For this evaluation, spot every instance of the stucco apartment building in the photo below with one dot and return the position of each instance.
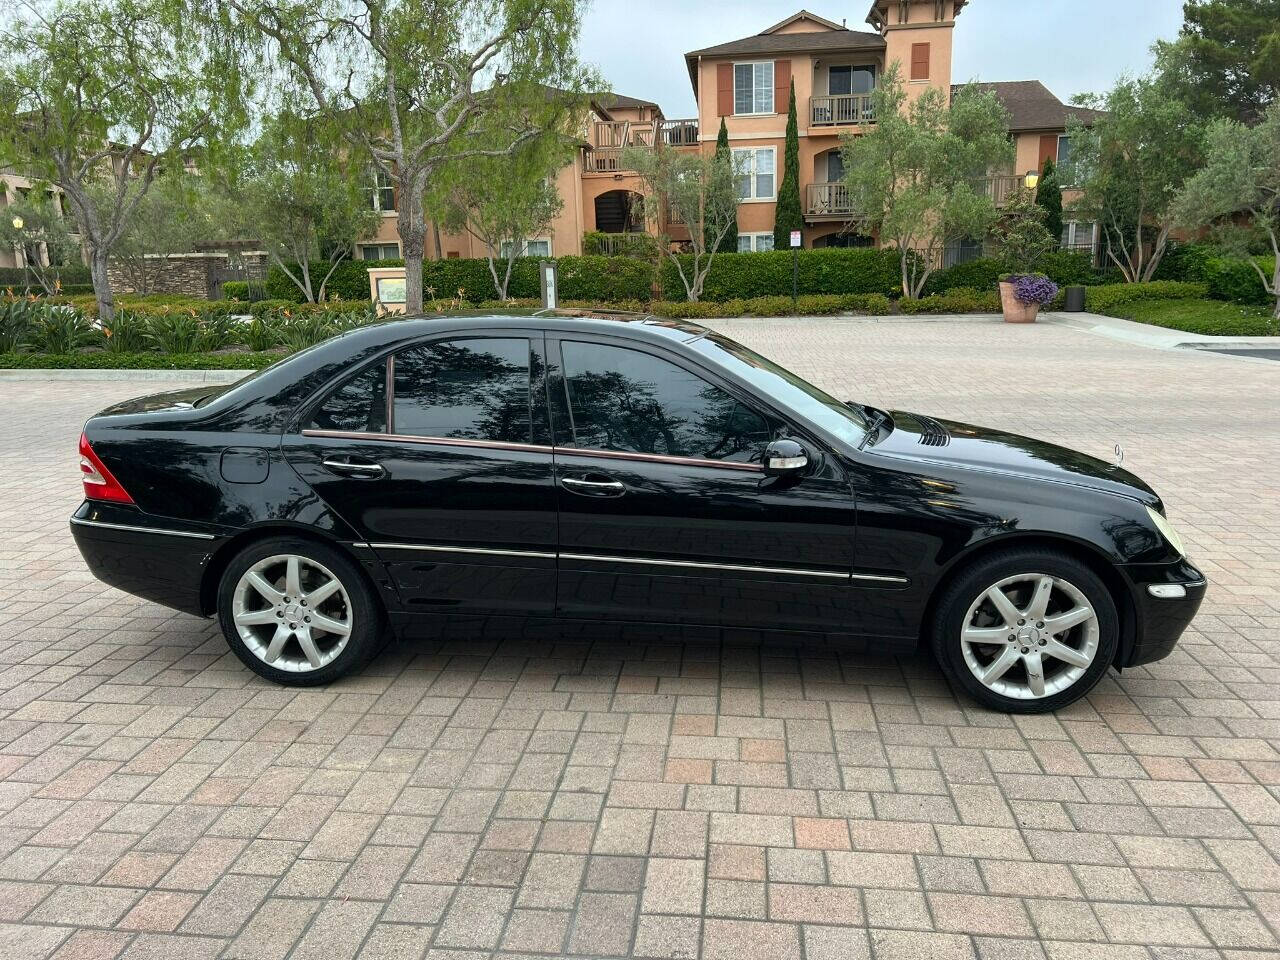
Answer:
(747, 83)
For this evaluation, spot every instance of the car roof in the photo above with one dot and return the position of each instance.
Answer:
(640, 325)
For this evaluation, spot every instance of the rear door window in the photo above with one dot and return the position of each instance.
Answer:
(472, 389)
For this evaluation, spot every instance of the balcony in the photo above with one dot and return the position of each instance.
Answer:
(608, 138)
(828, 201)
(841, 110)
(999, 188)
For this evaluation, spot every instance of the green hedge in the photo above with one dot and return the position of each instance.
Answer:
(602, 279)
(1106, 298)
(137, 361)
(832, 271)
(70, 274)
(1228, 277)
(960, 300)
(1063, 267)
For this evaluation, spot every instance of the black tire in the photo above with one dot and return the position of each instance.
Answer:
(367, 634)
(972, 582)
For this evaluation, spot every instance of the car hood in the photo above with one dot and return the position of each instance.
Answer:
(919, 437)
(183, 399)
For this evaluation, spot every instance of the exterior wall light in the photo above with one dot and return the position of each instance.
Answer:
(1031, 179)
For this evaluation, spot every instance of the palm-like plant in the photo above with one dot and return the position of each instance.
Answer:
(17, 316)
(127, 333)
(61, 330)
(176, 331)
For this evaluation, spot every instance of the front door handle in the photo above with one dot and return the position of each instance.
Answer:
(586, 487)
(368, 470)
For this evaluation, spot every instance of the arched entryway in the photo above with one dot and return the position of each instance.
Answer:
(620, 211)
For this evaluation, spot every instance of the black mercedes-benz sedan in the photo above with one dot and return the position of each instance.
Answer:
(617, 467)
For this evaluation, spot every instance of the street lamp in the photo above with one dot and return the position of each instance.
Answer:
(1031, 179)
(17, 223)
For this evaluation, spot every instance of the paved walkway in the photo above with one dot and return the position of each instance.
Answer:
(647, 798)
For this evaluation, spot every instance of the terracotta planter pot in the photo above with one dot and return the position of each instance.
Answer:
(1015, 311)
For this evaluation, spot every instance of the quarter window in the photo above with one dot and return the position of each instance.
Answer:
(627, 400)
(755, 167)
(358, 406)
(753, 87)
(473, 389)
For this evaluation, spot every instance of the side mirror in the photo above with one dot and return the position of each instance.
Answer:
(784, 458)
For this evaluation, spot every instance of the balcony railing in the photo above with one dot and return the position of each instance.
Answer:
(840, 109)
(609, 138)
(828, 200)
(999, 188)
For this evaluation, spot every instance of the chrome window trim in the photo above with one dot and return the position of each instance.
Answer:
(534, 448)
(136, 529)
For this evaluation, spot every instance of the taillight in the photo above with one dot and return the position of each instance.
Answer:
(99, 484)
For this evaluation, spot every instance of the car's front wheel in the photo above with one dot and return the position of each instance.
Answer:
(297, 611)
(1026, 631)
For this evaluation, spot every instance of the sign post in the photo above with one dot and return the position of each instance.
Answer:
(550, 288)
(795, 267)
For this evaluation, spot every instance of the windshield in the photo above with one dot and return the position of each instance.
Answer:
(819, 408)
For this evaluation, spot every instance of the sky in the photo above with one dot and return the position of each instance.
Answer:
(1072, 46)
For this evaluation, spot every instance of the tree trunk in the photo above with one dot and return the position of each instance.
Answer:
(102, 286)
(413, 237)
(435, 233)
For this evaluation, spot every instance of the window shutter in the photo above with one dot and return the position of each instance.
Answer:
(724, 89)
(781, 85)
(919, 61)
(1048, 148)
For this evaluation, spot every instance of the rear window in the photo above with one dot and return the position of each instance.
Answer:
(357, 406)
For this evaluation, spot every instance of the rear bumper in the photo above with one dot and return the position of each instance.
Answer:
(150, 557)
(1162, 619)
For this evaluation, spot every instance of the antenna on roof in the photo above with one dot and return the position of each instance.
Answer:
(843, 22)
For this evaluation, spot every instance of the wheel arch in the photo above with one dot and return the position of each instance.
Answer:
(223, 555)
(1087, 553)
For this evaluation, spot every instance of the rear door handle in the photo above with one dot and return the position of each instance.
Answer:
(593, 488)
(354, 468)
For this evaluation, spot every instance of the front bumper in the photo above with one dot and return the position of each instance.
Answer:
(1161, 620)
(158, 560)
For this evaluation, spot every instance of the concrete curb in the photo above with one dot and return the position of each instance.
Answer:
(171, 376)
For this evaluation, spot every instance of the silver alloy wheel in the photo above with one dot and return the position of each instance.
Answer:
(1030, 636)
(292, 612)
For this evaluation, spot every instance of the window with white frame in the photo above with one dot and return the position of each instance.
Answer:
(755, 168)
(755, 242)
(1079, 235)
(540, 247)
(753, 87)
(379, 251)
(382, 196)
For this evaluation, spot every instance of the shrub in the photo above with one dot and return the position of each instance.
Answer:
(622, 244)
(1063, 267)
(136, 361)
(808, 305)
(1235, 279)
(17, 277)
(17, 317)
(175, 331)
(127, 333)
(1185, 261)
(960, 300)
(832, 271)
(1105, 298)
(246, 290)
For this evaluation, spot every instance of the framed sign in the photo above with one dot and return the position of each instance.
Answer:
(391, 290)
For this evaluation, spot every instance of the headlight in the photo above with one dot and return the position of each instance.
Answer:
(1167, 531)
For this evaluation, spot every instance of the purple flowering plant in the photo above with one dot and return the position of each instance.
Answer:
(1033, 288)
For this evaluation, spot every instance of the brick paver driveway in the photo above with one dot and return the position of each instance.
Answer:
(617, 796)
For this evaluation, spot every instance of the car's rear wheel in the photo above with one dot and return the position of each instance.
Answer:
(297, 611)
(1026, 631)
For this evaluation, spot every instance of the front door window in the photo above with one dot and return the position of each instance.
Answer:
(631, 401)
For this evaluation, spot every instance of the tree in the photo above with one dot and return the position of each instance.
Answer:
(695, 189)
(101, 97)
(1049, 197)
(788, 215)
(724, 155)
(36, 224)
(1020, 234)
(174, 216)
(1130, 164)
(918, 176)
(503, 202)
(301, 197)
(1240, 178)
(1226, 60)
(418, 85)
